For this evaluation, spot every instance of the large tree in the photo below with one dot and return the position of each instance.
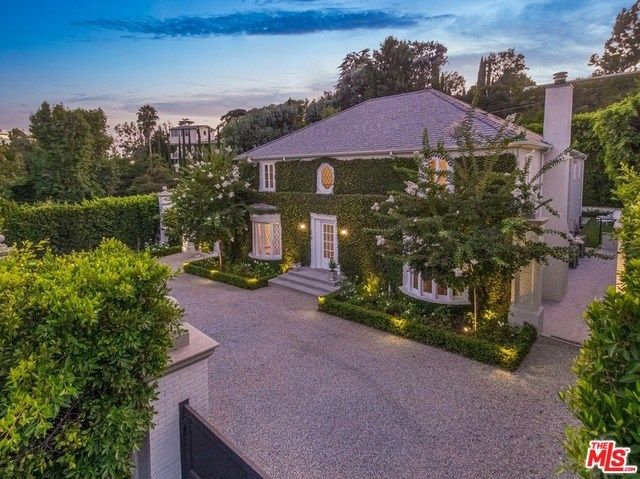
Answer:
(260, 125)
(147, 122)
(206, 205)
(70, 145)
(12, 161)
(398, 66)
(465, 220)
(622, 49)
(501, 81)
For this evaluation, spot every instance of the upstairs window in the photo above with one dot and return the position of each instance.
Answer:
(267, 176)
(441, 168)
(325, 180)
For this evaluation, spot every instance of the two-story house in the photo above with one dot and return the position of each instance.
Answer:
(189, 140)
(316, 187)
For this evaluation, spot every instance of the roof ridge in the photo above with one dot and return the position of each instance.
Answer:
(333, 116)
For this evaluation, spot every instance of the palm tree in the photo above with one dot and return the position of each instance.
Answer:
(147, 121)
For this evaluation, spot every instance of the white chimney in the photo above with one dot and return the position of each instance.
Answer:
(558, 105)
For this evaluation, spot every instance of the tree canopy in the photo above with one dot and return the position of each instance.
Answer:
(622, 49)
(398, 66)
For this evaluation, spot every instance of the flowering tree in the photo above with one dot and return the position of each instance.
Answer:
(466, 219)
(206, 207)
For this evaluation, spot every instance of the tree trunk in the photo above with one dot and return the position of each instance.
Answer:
(475, 309)
(219, 253)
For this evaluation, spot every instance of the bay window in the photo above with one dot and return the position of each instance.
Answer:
(266, 234)
(426, 289)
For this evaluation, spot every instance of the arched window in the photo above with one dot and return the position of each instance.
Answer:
(266, 234)
(326, 178)
(425, 289)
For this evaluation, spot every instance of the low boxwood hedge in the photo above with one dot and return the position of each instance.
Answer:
(507, 357)
(203, 269)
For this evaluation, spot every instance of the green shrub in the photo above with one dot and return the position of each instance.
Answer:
(606, 395)
(82, 226)
(505, 356)
(160, 250)
(80, 337)
(252, 275)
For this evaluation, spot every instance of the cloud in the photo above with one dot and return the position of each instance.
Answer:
(275, 22)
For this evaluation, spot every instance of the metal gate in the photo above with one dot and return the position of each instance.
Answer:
(206, 454)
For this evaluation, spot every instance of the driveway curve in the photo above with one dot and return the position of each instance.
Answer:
(308, 395)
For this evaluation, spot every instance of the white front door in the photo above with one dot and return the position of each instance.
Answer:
(324, 241)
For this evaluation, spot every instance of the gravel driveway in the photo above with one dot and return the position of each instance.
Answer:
(308, 395)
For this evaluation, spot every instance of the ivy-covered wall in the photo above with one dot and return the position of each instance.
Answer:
(357, 252)
(360, 176)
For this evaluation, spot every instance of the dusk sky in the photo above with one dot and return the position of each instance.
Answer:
(199, 59)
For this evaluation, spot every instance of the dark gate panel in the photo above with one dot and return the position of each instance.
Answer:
(207, 454)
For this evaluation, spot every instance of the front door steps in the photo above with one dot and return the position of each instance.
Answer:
(317, 282)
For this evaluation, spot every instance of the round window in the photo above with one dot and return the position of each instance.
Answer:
(326, 177)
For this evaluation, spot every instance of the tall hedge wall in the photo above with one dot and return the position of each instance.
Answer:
(361, 176)
(598, 186)
(357, 252)
(81, 226)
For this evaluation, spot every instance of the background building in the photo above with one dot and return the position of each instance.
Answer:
(190, 141)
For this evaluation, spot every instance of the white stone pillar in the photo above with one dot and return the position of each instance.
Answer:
(186, 377)
(164, 203)
(526, 294)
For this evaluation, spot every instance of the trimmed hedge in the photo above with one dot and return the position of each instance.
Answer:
(507, 357)
(69, 227)
(198, 268)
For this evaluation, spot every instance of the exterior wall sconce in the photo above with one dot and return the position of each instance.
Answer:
(344, 232)
(302, 226)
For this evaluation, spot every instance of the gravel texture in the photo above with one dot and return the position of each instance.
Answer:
(308, 395)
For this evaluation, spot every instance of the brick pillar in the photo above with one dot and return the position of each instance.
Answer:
(187, 377)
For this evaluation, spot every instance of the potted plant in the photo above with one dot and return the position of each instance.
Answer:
(332, 267)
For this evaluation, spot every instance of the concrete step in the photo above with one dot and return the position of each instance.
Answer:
(285, 283)
(317, 275)
(307, 281)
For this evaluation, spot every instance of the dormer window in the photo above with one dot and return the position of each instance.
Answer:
(325, 180)
(267, 176)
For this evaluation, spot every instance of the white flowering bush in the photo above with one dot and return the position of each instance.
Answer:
(207, 206)
(464, 220)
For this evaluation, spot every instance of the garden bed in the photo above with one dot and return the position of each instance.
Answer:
(251, 274)
(443, 326)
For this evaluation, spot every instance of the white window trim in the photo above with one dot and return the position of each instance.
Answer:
(258, 223)
(449, 298)
(263, 179)
(320, 189)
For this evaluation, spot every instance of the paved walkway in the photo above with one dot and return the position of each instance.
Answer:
(587, 282)
(308, 395)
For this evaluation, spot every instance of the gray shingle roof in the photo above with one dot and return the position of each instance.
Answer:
(393, 123)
